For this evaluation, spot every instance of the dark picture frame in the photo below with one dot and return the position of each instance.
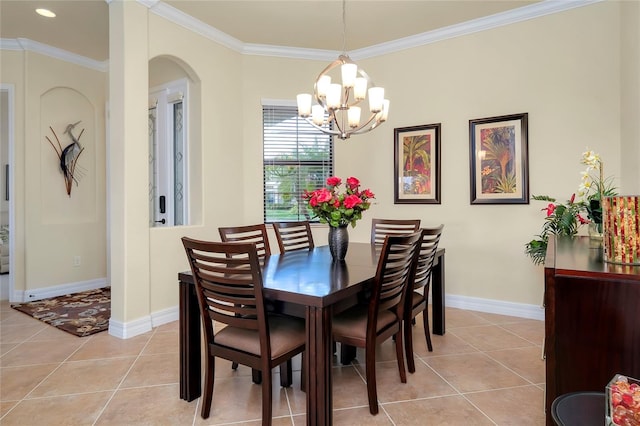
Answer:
(499, 159)
(416, 170)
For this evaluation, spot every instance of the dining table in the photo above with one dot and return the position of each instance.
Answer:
(311, 285)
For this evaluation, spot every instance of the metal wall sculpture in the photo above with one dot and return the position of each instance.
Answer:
(68, 156)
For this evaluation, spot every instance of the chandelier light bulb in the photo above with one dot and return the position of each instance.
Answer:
(385, 111)
(317, 114)
(360, 89)
(322, 86)
(349, 75)
(304, 104)
(334, 93)
(376, 99)
(353, 115)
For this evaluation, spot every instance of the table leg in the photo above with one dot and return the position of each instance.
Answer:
(318, 362)
(437, 295)
(190, 365)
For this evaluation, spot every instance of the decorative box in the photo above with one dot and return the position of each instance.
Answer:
(621, 237)
(623, 401)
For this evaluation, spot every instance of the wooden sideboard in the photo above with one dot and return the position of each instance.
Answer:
(592, 318)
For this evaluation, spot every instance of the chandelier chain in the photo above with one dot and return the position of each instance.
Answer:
(344, 26)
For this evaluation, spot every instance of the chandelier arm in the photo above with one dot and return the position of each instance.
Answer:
(359, 130)
(322, 129)
(373, 126)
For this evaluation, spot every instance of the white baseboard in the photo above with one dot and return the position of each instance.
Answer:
(5, 289)
(521, 310)
(165, 316)
(130, 329)
(143, 325)
(23, 296)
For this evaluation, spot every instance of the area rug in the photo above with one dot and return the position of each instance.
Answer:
(81, 314)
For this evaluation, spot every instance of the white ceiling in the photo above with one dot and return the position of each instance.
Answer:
(82, 26)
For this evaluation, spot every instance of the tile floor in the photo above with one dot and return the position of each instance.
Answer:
(486, 370)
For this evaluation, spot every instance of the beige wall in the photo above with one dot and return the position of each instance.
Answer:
(564, 70)
(55, 228)
(216, 150)
(630, 102)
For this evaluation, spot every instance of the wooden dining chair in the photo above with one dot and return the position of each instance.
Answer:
(293, 236)
(380, 228)
(253, 234)
(248, 234)
(365, 326)
(418, 291)
(236, 326)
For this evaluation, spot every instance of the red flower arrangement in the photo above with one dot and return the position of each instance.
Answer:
(339, 209)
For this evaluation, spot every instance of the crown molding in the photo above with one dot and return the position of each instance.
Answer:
(532, 11)
(536, 10)
(189, 22)
(172, 14)
(24, 44)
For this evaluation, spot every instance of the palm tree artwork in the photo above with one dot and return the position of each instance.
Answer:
(416, 164)
(498, 165)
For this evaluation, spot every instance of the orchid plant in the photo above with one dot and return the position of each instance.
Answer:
(594, 186)
(337, 208)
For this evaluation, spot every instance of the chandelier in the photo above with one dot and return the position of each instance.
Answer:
(337, 111)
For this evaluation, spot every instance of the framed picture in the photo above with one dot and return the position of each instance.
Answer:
(417, 164)
(499, 160)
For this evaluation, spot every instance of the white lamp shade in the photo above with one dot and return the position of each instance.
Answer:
(376, 99)
(317, 114)
(360, 89)
(385, 110)
(334, 93)
(353, 115)
(304, 104)
(348, 74)
(322, 85)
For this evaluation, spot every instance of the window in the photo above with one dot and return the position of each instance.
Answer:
(297, 157)
(167, 155)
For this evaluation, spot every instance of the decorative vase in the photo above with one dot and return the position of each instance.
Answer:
(595, 231)
(338, 241)
(595, 226)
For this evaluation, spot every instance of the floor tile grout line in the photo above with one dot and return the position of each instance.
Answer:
(53, 371)
(124, 377)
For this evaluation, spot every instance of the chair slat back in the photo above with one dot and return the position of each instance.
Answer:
(428, 248)
(228, 283)
(293, 236)
(380, 228)
(397, 259)
(248, 234)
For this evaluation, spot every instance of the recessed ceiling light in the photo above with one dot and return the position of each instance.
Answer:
(46, 13)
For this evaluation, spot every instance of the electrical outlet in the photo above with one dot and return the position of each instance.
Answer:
(77, 260)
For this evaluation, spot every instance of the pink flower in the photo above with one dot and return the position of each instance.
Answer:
(573, 197)
(334, 181)
(323, 195)
(550, 209)
(339, 208)
(582, 219)
(353, 183)
(351, 201)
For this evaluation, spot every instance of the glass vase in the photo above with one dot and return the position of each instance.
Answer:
(338, 242)
(595, 231)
